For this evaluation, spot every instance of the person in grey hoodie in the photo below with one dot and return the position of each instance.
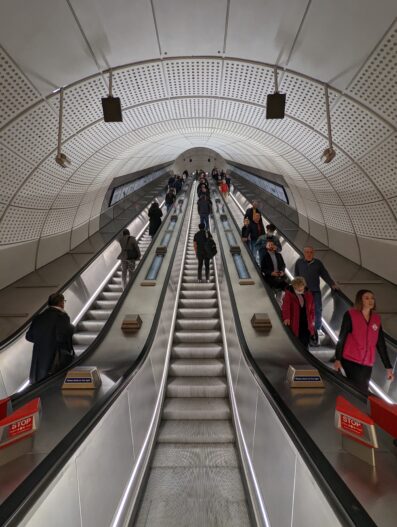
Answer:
(312, 270)
(130, 253)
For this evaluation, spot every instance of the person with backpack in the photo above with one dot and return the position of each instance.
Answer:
(51, 333)
(130, 253)
(205, 249)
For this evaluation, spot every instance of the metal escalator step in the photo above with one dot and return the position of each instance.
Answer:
(200, 431)
(198, 303)
(196, 387)
(105, 304)
(84, 337)
(98, 314)
(108, 295)
(198, 286)
(195, 455)
(200, 408)
(91, 325)
(197, 336)
(197, 367)
(114, 288)
(196, 324)
(197, 293)
(197, 351)
(185, 313)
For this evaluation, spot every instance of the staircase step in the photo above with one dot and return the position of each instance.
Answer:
(197, 387)
(198, 336)
(105, 304)
(114, 288)
(196, 293)
(200, 431)
(99, 314)
(197, 351)
(197, 368)
(201, 303)
(91, 325)
(197, 324)
(108, 295)
(198, 286)
(195, 455)
(184, 313)
(84, 337)
(179, 408)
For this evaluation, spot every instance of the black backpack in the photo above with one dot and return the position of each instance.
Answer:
(210, 249)
(132, 254)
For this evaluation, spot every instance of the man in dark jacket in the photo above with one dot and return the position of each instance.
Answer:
(170, 198)
(51, 333)
(273, 267)
(155, 214)
(251, 211)
(312, 270)
(204, 208)
(199, 242)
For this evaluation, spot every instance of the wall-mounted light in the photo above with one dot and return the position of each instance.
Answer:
(111, 105)
(329, 153)
(275, 102)
(61, 158)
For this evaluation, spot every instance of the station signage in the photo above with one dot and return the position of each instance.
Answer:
(20, 424)
(354, 423)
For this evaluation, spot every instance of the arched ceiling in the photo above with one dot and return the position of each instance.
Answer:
(196, 74)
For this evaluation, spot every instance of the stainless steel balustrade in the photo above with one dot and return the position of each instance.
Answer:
(99, 486)
(15, 358)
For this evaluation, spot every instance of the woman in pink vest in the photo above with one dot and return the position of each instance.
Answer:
(360, 335)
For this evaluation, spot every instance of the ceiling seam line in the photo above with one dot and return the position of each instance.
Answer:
(226, 27)
(87, 43)
(308, 5)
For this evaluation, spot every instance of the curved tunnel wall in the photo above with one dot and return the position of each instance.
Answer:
(350, 204)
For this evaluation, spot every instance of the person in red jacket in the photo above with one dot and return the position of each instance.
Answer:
(360, 335)
(223, 187)
(298, 310)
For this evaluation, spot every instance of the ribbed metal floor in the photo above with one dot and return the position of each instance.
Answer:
(195, 478)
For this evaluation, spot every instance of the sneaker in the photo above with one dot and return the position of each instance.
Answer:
(199, 281)
(208, 280)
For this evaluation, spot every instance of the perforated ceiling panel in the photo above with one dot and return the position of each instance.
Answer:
(39, 191)
(21, 225)
(13, 172)
(381, 166)
(16, 92)
(376, 84)
(59, 221)
(193, 77)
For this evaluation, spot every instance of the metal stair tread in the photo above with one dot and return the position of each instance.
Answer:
(199, 431)
(192, 408)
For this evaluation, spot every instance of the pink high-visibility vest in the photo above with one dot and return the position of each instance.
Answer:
(360, 345)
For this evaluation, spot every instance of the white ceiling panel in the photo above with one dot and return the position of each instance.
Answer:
(191, 28)
(263, 30)
(120, 31)
(52, 52)
(338, 36)
(13, 172)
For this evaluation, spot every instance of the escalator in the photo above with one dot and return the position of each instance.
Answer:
(195, 477)
(94, 319)
(194, 433)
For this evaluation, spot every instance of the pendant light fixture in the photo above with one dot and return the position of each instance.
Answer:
(329, 153)
(275, 102)
(111, 105)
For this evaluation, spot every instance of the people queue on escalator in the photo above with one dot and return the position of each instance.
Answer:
(361, 333)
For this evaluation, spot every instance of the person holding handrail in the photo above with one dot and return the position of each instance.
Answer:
(360, 336)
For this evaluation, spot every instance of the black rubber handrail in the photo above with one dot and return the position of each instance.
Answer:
(348, 509)
(15, 507)
(390, 338)
(18, 332)
(331, 375)
(34, 390)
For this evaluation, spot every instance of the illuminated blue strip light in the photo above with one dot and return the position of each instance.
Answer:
(240, 266)
(158, 259)
(242, 270)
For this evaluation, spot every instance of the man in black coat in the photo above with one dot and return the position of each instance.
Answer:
(51, 333)
(273, 267)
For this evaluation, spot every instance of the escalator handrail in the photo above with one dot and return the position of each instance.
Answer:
(333, 376)
(337, 292)
(18, 332)
(35, 389)
(337, 493)
(15, 507)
